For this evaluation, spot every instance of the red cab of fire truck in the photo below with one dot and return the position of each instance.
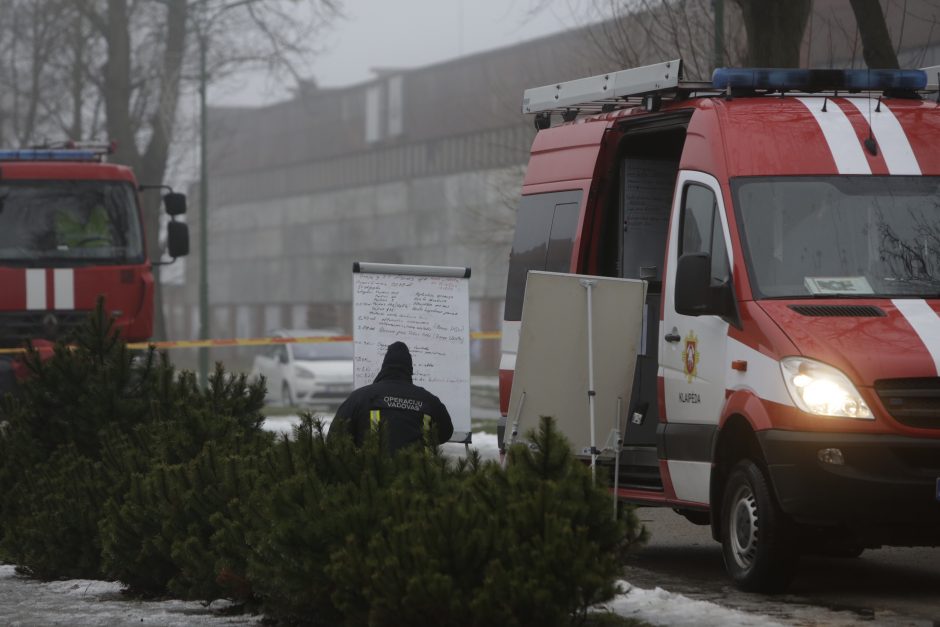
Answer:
(71, 231)
(787, 223)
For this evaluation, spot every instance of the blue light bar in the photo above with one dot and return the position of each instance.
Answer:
(43, 154)
(818, 80)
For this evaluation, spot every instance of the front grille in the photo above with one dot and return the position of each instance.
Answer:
(18, 326)
(912, 402)
(839, 311)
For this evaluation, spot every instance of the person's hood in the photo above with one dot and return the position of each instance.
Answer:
(397, 364)
(867, 340)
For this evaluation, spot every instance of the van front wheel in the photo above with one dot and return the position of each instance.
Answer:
(755, 536)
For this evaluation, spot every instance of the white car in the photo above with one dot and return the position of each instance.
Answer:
(315, 373)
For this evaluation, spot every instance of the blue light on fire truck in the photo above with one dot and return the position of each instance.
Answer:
(818, 80)
(43, 154)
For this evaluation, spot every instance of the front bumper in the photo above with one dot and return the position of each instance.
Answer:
(886, 489)
(321, 393)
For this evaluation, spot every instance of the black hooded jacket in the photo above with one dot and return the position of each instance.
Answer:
(406, 413)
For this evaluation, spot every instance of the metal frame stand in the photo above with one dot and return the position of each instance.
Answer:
(618, 443)
(589, 284)
(515, 430)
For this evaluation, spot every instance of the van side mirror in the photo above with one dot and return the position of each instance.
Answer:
(174, 203)
(696, 295)
(177, 239)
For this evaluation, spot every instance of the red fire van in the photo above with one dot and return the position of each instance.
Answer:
(788, 225)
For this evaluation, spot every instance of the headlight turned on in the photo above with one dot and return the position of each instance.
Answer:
(819, 389)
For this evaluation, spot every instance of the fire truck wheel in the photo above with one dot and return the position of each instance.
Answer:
(287, 400)
(756, 537)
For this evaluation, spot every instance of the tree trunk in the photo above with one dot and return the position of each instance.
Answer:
(117, 85)
(876, 42)
(149, 167)
(774, 31)
(154, 160)
(77, 77)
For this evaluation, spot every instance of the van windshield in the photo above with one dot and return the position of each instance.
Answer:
(69, 222)
(841, 236)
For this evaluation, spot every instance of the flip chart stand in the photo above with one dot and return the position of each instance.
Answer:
(427, 308)
(617, 436)
(589, 284)
(515, 429)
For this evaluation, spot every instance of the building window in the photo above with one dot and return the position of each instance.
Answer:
(396, 109)
(373, 113)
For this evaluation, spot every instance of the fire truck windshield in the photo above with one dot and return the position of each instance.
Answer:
(840, 236)
(69, 223)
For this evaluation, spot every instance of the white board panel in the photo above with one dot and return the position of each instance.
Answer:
(552, 362)
(427, 308)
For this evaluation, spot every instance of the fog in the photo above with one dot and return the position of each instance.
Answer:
(404, 34)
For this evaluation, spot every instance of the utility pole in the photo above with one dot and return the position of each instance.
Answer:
(204, 207)
(719, 42)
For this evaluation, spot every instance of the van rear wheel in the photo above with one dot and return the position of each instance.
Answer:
(756, 538)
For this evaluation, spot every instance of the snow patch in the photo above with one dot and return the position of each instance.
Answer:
(661, 607)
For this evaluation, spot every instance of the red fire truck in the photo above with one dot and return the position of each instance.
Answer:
(71, 230)
(788, 225)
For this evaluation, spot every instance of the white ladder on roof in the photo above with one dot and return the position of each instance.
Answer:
(607, 91)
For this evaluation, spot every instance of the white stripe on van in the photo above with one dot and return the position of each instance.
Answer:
(925, 322)
(36, 288)
(690, 480)
(63, 281)
(840, 136)
(509, 344)
(892, 141)
(763, 375)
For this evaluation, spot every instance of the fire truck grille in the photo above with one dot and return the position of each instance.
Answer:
(18, 326)
(912, 402)
(839, 311)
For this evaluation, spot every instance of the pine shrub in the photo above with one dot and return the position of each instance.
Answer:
(360, 538)
(113, 465)
(203, 447)
(318, 494)
(52, 484)
(116, 466)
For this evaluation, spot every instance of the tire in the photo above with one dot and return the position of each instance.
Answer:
(287, 399)
(756, 537)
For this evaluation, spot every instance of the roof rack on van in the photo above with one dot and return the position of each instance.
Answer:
(606, 92)
(651, 84)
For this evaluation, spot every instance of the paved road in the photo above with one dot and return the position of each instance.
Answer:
(891, 586)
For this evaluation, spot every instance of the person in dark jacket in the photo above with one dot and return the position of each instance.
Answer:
(401, 411)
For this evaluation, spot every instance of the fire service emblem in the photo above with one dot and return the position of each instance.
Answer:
(690, 356)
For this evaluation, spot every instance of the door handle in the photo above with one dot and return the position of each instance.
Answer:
(672, 337)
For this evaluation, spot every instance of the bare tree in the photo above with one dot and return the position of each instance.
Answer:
(876, 42)
(629, 33)
(775, 30)
(763, 33)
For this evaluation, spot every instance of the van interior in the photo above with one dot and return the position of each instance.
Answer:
(634, 233)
